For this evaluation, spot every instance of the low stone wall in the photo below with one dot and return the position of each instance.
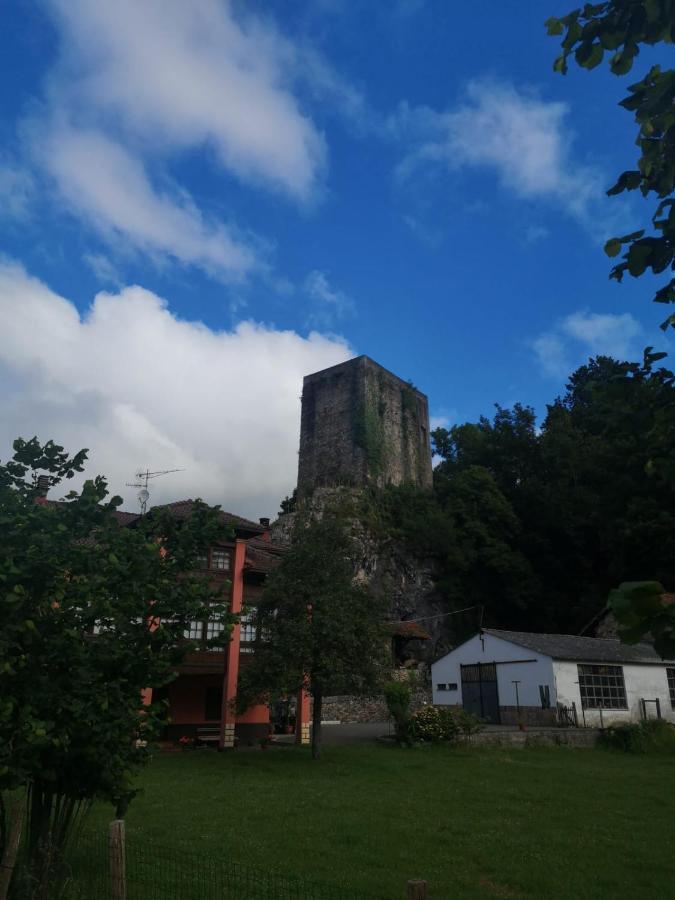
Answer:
(353, 709)
(528, 715)
(549, 737)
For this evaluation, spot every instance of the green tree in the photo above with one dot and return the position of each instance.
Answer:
(618, 28)
(318, 626)
(588, 501)
(643, 609)
(90, 614)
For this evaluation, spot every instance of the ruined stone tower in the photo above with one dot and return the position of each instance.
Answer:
(361, 425)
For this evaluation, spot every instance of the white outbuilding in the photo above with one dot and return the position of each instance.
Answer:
(507, 677)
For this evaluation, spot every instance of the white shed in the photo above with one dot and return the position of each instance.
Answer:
(507, 677)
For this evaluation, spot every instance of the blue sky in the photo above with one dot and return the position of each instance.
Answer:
(203, 201)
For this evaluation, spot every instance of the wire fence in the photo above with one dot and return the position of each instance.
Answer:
(155, 872)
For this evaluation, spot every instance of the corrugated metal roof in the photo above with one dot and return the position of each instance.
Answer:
(582, 649)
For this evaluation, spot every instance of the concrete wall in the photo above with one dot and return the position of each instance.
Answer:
(642, 681)
(488, 649)
(362, 425)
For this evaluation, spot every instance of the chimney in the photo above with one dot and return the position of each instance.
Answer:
(264, 522)
(42, 485)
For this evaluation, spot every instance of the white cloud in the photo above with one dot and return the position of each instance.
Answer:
(521, 137)
(188, 73)
(583, 334)
(139, 386)
(109, 187)
(329, 302)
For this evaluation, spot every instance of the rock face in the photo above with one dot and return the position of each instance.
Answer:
(390, 569)
(362, 425)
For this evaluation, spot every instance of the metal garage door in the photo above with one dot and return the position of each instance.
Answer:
(479, 691)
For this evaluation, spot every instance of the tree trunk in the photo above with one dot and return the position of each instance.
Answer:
(316, 724)
(11, 848)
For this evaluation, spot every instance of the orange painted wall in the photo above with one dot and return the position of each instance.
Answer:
(186, 701)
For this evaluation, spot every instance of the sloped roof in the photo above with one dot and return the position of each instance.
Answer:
(183, 508)
(412, 630)
(580, 649)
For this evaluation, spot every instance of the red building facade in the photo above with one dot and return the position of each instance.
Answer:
(202, 696)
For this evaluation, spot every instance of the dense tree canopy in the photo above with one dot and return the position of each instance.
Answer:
(317, 626)
(90, 614)
(618, 28)
(538, 525)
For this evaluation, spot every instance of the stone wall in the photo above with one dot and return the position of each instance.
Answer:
(528, 715)
(361, 425)
(354, 709)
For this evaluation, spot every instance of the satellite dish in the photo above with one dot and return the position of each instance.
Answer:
(144, 495)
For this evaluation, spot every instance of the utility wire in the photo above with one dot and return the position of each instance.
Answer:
(439, 616)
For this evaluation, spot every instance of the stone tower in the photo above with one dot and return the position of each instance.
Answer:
(361, 425)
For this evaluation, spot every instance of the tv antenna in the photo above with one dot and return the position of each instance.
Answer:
(142, 483)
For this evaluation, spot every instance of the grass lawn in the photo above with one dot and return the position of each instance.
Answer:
(541, 823)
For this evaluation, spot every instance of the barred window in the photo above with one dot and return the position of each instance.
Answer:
(220, 560)
(602, 687)
(671, 685)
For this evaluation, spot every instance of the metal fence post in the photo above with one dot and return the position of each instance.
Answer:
(116, 859)
(417, 890)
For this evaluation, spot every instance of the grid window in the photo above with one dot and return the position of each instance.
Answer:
(671, 685)
(202, 561)
(602, 687)
(441, 687)
(220, 560)
(194, 632)
(248, 628)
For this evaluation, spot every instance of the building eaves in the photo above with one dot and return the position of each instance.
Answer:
(580, 649)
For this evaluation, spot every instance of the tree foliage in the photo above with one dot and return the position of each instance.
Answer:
(618, 28)
(537, 525)
(644, 609)
(90, 614)
(318, 627)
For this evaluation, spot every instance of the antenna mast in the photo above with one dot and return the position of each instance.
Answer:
(142, 483)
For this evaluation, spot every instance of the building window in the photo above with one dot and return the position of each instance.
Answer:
(248, 628)
(202, 561)
(545, 696)
(203, 631)
(602, 687)
(452, 686)
(441, 687)
(671, 685)
(220, 560)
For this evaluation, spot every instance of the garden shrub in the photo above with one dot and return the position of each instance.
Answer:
(438, 723)
(398, 696)
(654, 735)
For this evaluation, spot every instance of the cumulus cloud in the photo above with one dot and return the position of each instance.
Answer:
(512, 131)
(584, 334)
(329, 303)
(110, 188)
(192, 74)
(141, 387)
(136, 86)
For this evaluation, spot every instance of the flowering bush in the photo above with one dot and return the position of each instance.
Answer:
(434, 723)
(185, 740)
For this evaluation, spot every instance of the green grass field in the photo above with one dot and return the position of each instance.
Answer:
(541, 823)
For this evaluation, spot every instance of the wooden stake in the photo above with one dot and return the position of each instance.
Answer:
(116, 859)
(8, 861)
(417, 890)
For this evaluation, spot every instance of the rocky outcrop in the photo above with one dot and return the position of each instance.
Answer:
(391, 570)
